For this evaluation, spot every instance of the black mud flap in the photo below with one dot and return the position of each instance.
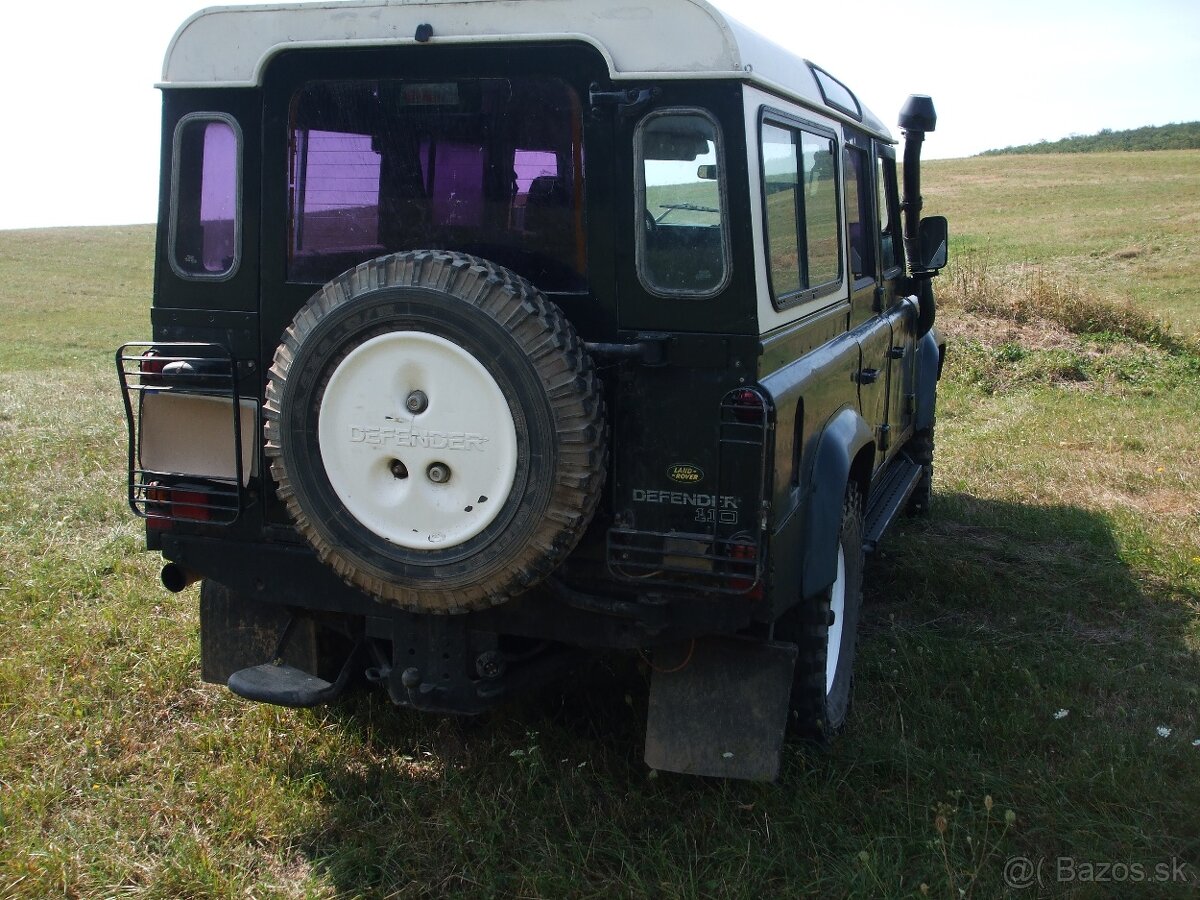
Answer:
(725, 712)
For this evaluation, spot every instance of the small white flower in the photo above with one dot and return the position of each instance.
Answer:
(1196, 742)
(727, 755)
(1163, 731)
(1062, 714)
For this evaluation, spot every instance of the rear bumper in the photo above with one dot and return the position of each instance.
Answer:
(290, 575)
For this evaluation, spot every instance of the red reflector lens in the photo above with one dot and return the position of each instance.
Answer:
(190, 505)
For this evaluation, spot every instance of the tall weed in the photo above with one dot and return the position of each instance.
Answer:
(1027, 294)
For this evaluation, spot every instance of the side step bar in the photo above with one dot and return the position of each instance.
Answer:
(888, 498)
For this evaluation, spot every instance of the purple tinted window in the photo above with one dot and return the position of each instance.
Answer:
(531, 164)
(339, 189)
(491, 166)
(457, 197)
(204, 231)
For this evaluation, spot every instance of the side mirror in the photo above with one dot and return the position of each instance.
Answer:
(933, 237)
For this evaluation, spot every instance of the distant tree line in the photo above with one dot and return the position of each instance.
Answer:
(1181, 136)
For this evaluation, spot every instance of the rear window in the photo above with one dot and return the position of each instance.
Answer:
(205, 235)
(492, 166)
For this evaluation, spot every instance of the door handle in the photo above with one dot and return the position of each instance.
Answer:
(867, 376)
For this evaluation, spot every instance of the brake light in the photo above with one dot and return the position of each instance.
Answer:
(742, 560)
(151, 363)
(746, 406)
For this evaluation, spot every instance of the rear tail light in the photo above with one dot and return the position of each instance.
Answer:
(158, 506)
(192, 506)
(151, 363)
(167, 505)
(746, 406)
(742, 562)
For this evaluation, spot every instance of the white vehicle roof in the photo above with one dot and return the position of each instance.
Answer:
(230, 46)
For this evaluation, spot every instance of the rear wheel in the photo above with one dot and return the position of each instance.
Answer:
(825, 630)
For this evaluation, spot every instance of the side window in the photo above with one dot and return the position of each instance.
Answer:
(800, 212)
(820, 209)
(682, 240)
(888, 206)
(205, 233)
(858, 213)
(781, 185)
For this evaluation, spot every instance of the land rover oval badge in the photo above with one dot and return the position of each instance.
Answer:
(685, 474)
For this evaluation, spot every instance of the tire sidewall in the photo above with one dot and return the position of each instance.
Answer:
(816, 713)
(837, 700)
(410, 308)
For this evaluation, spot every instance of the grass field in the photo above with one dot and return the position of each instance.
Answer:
(1028, 675)
(1120, 224)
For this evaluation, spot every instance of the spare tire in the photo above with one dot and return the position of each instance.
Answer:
(436, 430)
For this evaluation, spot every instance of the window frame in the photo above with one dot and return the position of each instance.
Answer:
(639, 205)
(869, 234)
(819, 75)
(779, 119)
(885, 154)
(176, 172)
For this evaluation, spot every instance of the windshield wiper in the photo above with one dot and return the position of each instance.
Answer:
(688, 207)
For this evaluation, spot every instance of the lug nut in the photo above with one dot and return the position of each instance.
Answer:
(439, 473)
(417, 402)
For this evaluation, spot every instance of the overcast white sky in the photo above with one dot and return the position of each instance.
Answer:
(79, 140)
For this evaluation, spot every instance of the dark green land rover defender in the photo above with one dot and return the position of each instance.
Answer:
(489, 333)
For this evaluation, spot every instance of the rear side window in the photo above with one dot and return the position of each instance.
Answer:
(205, 235)
(799, 184)
(491, 166)
(858, 213)
(682, 228)
(889, 221)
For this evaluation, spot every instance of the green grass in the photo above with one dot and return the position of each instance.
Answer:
(1059, 571)
(1120, 224)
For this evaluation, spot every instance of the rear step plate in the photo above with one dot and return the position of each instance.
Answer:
(282, 686)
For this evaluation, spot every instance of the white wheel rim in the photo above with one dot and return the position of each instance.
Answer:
(837, 606)
(364, 428)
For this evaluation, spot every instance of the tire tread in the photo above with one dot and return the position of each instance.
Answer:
(569, 383)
